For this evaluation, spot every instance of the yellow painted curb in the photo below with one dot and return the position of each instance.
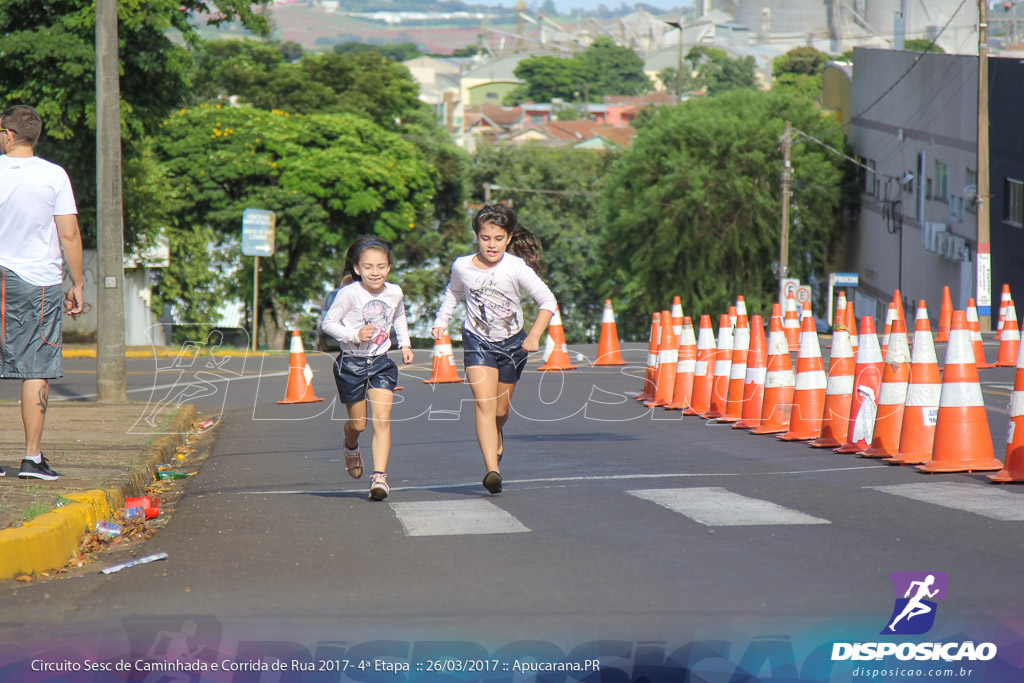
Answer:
(49, 541)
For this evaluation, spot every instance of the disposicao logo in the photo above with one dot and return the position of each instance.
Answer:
(914, 611)
(913, 614)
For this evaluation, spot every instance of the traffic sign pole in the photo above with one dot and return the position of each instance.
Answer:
(257, 240)
(255, 300)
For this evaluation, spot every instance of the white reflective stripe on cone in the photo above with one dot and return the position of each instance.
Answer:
(738, 371)
(839, 385)
(961, 395)
(668, 356)
(892, 393)
(814, 379)
(296, 345)
(755, 375)
(442, 349)
(923, 395)
(959, 350)
(779, 378)
(1016, 404)
(686, 366)
(700, 368)
(722, 368)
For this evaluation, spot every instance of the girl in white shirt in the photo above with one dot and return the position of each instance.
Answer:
(495, 342)
(360, 318)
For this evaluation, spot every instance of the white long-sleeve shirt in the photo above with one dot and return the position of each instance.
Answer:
(493, 296)
(354, 308)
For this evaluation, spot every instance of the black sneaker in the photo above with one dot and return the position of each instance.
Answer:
(2, 472)
(492, 482)
(33, 470)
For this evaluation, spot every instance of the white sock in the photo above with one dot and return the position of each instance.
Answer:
(37, 458)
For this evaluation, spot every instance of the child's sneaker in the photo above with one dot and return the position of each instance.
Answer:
(379, 488)
(354, 463)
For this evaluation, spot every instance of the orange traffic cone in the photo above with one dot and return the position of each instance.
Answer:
(443, 370)
(963, 442)
(651, 374)
(975, 330)
(897, 300)
(867, 381)
(885, 439)
(945, 314)
(890, 315)
(677, 316)
(1003, 298)
(608, 352)
(300, 377)
(841, 306)
(668, 359)
(683, 390)
(559, 358)
(753, 383)
(851, 324)
(791, 323)
(779, 381)
(703, 373)
(723, 363)
(1009, 345)
(809, 395)
(741, 305)
(1014, 468)
(922, 406)
(835, 421)
(737, 370)
(732, 317)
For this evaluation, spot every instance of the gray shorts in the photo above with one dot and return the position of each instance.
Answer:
(30, 329)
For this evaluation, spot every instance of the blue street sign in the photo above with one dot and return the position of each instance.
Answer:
(845, 279)
(258, 232)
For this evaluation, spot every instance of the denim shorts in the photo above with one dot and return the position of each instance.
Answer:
(30, 332)
(507, 355)
(355, 375)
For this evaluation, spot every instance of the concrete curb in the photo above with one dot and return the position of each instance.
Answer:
(49, 541)
(170, 353)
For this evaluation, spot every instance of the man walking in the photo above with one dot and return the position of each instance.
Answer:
(38, 230)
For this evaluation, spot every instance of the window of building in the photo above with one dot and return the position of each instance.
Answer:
(492, 95)
(928, 188)
(941, 181)
(536, 118)
(1013, 211)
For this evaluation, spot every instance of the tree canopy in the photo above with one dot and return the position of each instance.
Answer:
(602, 69)
(49, 57)
(693, 207)
(798, 72)
(327, 177)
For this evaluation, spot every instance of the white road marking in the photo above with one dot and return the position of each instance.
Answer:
(174, 385)
(715, 506)
(550, 480)
(988, 501)
(455, 518)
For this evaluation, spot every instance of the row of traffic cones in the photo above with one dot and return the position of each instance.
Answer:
(897, 406)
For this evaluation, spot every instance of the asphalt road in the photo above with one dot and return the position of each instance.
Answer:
(618, 524)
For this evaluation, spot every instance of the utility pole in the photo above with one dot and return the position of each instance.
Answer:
(110, 370)
(984, 265)
(784, 233)
(487, 193)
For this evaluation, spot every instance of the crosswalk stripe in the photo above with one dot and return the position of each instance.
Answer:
(716, 506)
(987, 501)
(455, 518)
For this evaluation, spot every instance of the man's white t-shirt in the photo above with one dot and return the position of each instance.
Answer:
(32, 192)
(354, 307)
(493, 296)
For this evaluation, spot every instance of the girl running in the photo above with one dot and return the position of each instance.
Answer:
(495, 343)
(360, 318)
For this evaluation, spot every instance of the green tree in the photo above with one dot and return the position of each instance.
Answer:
(693, 207)
(398, 52)
(327, 177)
(564, 216)
(798, 73)
(922, 45)
(603, 68)
(49, 62)
(719, 72)
(613, 70)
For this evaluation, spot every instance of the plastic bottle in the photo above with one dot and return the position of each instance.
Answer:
(171, 475)
(110, 529)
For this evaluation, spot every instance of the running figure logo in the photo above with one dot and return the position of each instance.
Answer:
(914, 611)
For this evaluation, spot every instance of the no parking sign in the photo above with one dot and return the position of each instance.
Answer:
(802, 293)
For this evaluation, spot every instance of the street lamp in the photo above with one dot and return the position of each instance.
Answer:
(679, 66)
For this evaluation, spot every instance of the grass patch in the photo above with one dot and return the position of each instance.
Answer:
(33, 510)
(62, 501)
